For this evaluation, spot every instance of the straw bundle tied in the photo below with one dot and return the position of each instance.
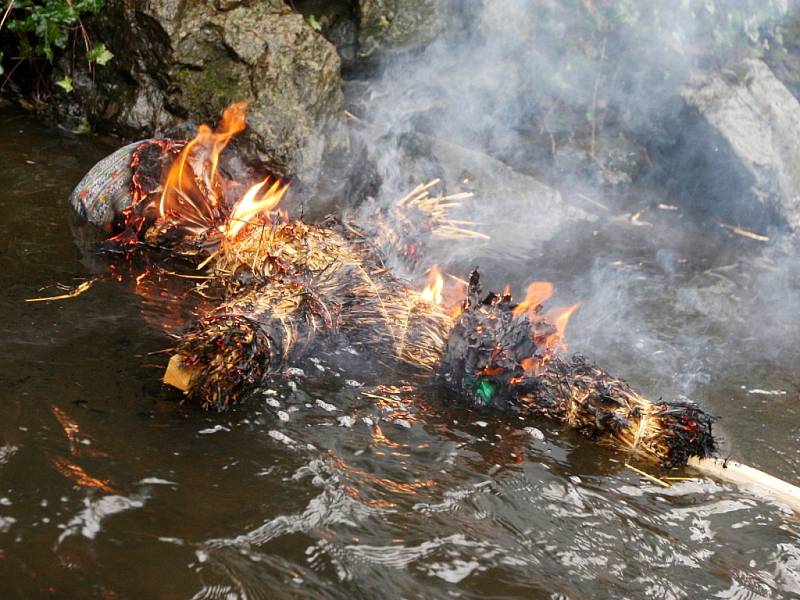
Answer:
(284, 285)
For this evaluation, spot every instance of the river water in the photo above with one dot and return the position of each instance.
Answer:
(328, 487)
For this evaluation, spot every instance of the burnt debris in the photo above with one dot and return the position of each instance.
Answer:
(489, 347)
(496, 360)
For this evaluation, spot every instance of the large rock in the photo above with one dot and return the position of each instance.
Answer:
(396, 25)
(184, 61)
(750, 126)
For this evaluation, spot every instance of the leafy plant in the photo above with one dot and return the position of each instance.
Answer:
(43, 28)
(99, 54)
(43, 25)
(65, 83)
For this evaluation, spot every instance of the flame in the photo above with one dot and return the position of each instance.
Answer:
(247, 208)
(432, 294)
(233, 122)
(538, 292)
(455, 294)
(182, 194)
(560, 318)
(553, 343)
(194, 186)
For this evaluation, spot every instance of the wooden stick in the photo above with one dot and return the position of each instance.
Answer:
(74, 293)
(745, 232)
(176, 374)
(761, 483)
(652, 478)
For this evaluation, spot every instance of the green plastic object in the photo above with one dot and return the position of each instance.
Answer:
(486, 390)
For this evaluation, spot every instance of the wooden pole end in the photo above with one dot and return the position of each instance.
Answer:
(177, 375)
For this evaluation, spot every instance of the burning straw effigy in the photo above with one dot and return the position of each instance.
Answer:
(283, 286)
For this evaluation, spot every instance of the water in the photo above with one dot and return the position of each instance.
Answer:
(110, 488)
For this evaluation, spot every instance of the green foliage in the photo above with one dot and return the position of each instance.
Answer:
(65, 84)
(99, 54)
(45, 26)
(83, 127)
(314, 23)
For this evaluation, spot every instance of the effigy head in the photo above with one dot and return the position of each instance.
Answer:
(176, 194)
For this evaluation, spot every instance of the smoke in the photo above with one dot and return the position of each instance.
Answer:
(545, 110)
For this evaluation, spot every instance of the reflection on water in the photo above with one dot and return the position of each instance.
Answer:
(331, 486)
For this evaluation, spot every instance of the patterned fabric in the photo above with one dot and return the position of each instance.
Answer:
(105, 191)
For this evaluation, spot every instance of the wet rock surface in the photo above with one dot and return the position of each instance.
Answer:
(733, 150)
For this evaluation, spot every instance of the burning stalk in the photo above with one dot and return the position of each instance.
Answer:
(504, 355)
(285, 284)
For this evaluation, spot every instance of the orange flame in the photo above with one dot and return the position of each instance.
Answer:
(432, 294)
(553, 343)
(247, 208)
(560, 318)
(538, 292)
(182, 194)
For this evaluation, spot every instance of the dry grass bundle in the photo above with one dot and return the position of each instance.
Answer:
(402, 230)
(287, 283)
(605, 408)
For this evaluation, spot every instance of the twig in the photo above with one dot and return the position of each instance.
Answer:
(592, 201)
(652, 478)
(745, 232)
(72, 294)
(207, 260)
(11, 73)
(635, 220)
(458, 279)
(352, 117)
(5, 14)
(182, 276)
(164, 351)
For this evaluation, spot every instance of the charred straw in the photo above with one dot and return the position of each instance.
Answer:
(495, 359)
(249, 337)
(290, 283)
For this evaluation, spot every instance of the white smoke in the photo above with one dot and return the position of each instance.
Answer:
(524, 102)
